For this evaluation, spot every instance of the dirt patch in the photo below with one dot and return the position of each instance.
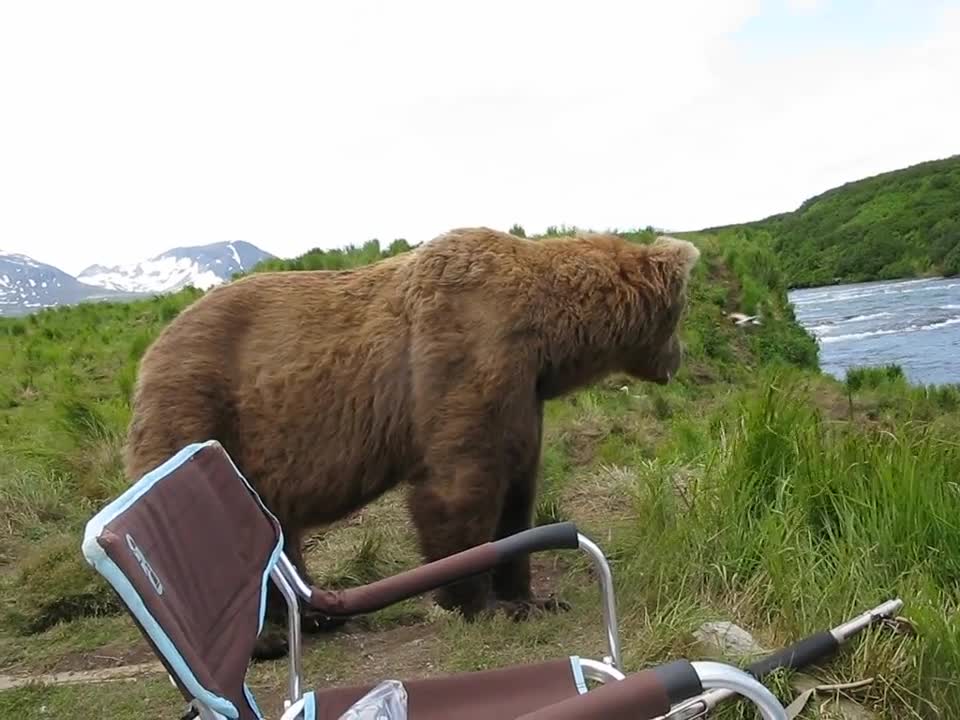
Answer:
(582, 439)
(109, 656)
(398, 652)
(546, 573)
(834, 404)
(600, 496)
(702, 373)
(116, 660)
(126, 672)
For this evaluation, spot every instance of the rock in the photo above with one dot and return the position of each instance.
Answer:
(727, 638)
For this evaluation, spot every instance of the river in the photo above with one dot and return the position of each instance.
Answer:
(913, 323)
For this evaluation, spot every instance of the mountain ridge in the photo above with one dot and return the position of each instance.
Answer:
(202, 266)
(28, 285)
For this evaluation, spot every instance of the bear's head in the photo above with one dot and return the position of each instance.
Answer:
(660, 272)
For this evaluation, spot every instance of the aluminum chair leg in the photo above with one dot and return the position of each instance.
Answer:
(293, 632)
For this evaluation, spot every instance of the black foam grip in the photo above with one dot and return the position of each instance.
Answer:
(680, 680)
(558, 536)
(800, 654)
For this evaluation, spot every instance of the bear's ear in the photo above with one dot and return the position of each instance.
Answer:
(682, 254)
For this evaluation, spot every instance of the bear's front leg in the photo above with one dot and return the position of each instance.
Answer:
(511, 580)
(453, 516)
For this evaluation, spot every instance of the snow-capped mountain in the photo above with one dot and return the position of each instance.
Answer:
(27, 285)
(202, 266)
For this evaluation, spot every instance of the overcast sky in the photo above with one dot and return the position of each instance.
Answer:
(129, 128)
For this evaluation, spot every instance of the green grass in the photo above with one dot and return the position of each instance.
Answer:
(741, 491)
(144, 698)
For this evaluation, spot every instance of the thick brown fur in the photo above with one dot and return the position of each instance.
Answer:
(428, 369)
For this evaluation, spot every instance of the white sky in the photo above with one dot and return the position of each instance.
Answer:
(129, 128)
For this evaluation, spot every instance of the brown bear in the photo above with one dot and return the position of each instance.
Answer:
(428, 369)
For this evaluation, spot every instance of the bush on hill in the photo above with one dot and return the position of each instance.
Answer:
(899, 224)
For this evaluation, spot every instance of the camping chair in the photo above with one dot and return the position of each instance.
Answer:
(189, 549)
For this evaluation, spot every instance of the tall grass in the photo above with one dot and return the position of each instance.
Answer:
(798, 522)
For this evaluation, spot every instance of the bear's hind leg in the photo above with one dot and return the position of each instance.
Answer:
(273, 642)
(311, 621)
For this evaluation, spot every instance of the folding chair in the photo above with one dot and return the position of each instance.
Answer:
(190, 547)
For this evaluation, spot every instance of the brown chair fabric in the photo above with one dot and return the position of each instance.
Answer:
(193, 542)
(637, 697)
(500, 694)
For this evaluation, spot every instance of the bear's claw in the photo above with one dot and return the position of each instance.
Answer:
(523, 609)
(313, 622)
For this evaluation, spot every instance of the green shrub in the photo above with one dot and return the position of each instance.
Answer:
(871, 378)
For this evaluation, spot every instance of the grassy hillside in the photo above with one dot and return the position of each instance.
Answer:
(752, 488)
(899, 224)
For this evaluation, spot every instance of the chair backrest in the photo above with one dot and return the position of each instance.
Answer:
(189, 549)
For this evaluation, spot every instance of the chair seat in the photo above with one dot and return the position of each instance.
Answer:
(499, 694)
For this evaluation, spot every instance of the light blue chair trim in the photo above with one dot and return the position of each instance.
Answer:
(252, 702)
(98, 559)
(578, 678)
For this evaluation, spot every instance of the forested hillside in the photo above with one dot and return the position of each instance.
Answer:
(899, 224)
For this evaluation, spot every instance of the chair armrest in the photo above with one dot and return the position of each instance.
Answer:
(643, 695)
(383, 593)
(658, 693)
